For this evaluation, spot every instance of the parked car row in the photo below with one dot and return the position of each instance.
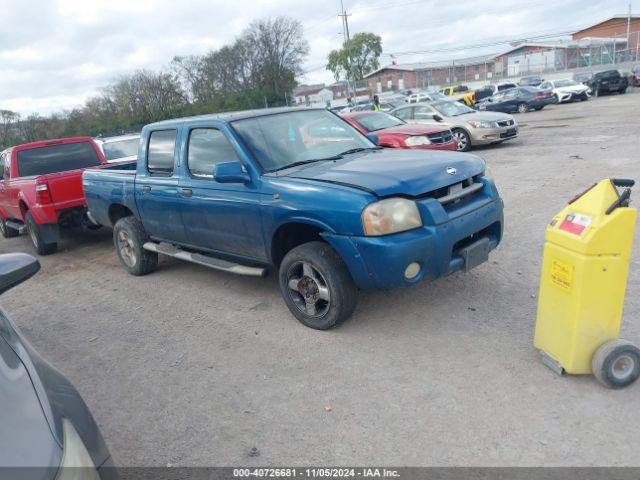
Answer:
(469, 127)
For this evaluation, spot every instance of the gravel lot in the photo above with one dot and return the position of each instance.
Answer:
(190, 366)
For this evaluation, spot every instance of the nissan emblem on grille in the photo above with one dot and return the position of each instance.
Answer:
(451, 170)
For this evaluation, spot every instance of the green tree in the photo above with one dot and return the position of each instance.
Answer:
(356, 58)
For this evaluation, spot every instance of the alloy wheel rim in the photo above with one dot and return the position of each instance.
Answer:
(126, 248)
(622, 367)
(308, 289)
(462, 140)
(522, 108)
(2, 227)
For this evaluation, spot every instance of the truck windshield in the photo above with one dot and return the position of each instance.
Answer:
(116, 149)
(284, 139)
(56, 158)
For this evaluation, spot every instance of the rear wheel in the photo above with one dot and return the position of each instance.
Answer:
(316, 286)
(523, 108)
(624, 90)
(36, 236)
(463, 138)
(129, 237)
(7, 231)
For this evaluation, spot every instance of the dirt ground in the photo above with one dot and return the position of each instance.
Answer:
(190, 366)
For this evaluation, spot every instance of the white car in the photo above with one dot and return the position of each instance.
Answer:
(566, 90)
(119, 149)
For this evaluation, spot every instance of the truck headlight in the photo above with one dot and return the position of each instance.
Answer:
(480, 124)
(76, 462)
(391, 215)
(416, 141)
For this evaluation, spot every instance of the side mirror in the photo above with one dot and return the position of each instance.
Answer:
(374, 138)
(231, 172)
(15, 268)
(437, 118)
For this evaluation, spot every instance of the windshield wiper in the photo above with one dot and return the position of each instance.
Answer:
(333, 157)
(302, 162)
(356, 150)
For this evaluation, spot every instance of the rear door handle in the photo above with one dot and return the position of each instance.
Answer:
(146, 189)
(186, 192)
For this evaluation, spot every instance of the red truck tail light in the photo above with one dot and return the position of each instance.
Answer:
(42, 192)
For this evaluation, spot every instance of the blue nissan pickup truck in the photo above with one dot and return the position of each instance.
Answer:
(301, 192)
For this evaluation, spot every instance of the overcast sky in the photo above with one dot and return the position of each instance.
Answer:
(56, 53)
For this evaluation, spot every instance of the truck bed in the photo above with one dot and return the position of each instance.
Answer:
(110, 184)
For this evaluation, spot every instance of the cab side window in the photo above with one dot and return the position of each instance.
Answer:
(208, 147)
(161, 152)
(5, 158)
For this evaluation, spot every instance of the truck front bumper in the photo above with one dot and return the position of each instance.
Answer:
(459, 243)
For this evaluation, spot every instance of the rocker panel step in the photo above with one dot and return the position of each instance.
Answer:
(205, 260)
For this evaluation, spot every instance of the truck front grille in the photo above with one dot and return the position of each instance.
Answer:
(457, 192)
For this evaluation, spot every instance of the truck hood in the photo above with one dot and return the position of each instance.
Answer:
(389, 171)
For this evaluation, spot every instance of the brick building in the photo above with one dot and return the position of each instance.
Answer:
(615, 27)
(430, 74)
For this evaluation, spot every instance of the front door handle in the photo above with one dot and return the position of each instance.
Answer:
(146, 189)
(186, 192)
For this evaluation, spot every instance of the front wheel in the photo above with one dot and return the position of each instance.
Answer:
(523, 108)
(616, 363)
(36, 236)
(464, 141)
(129, 237)
(316, 286)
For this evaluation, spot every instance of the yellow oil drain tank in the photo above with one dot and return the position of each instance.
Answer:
(582, 286)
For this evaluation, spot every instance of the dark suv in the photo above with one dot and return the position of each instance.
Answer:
(609, 81)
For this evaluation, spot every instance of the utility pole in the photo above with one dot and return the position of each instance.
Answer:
(345, 45)
(628, 25)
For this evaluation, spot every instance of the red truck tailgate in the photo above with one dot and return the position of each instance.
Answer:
(64, 187)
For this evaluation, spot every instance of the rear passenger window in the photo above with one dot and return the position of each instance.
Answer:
(161, 152)
(208, 147)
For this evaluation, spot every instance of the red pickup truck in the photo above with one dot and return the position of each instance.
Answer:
(41, 188)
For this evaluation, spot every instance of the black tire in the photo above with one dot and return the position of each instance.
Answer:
(616, 364)
(7, 231)
(623, 91)
(128, 238)
(327, 274)
(523, 107)
(537, 109)
(35, 234)
(464, 139)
